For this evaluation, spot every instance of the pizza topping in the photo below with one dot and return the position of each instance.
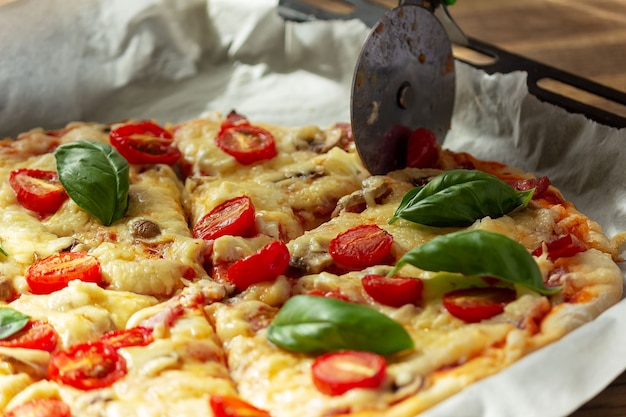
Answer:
(562, 247)
(361, 246)
(37, 190)
(539, 184)
(135, 336)
(338, 372)
(478, 253)
(145, 143)
(36, 334)
(233, 217)
(319, 324)
(96, 177)
(422, 149)
(87, 366)
(57, 270)
(231, 406)
(393, 291)
(458, 198)
(11, 322)
(41, 407)
(475, 304)
(145, 229)
(244, 142)
(266, 264)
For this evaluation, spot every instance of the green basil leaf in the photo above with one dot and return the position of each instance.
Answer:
(3, 251)
(11, 322)
(458, 198)
(313, 324)
(96, 177)
(477, 253)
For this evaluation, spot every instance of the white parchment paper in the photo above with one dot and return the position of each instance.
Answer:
(171, 60)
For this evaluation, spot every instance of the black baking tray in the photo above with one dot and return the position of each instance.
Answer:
(500, 61)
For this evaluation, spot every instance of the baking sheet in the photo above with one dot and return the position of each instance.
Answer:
(171, 60)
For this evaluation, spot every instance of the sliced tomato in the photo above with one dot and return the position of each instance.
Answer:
(37, 190)
(540, 184)
(563, 247)
(135, 336)
(41, 407)
(37, 334)
(393, 291)
(54, 272)
(231, 406)
(145, 143)
(338, 372)
(361, 246)
(266, 264)
(246, 143)
(475, 304)
(87, 366)
(234, 217)
(422, 149)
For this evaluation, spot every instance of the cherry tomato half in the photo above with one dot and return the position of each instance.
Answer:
(41, 407)
(475, 304)
(145, 143)
(247, 143)
(563, 247)
(361, 246)
(37, 190)
(36, 334)
(234, 217)
(231, 406)
(338, 372)
(266, 264)
(87, 366)
(135, 336)
(55, 271)
(422, 149)
(393, 291)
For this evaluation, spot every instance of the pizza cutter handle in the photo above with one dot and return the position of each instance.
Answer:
(506, 62)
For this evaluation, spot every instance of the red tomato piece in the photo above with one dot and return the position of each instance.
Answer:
(36, 334)
(540, 185)
(361, 246)
(55, 271)
(563, 247)
(234, 217)
(37, 190)
(135, 336)
(247, 143)
(266, 264)
(41, 407)
(231, 406)
(422, 149)
(145, 143)
(475, 304)
(234, 119)
(87, 366)
(338, 372)
(393, 291)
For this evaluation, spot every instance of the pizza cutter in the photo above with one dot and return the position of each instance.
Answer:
(404, 79)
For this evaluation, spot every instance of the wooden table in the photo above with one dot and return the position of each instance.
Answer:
(584, 37)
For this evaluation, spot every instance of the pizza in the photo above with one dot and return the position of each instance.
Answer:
(226, 267)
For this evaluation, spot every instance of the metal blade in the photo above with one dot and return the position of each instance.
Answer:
(404, 76)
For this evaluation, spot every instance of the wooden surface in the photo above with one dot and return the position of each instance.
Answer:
(584, 37)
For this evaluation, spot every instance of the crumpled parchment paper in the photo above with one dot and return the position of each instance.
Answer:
(171, 60)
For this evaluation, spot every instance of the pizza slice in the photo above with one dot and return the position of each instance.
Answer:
(157, 359)
(79, 203)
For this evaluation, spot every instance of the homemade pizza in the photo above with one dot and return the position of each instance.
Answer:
(226, 267)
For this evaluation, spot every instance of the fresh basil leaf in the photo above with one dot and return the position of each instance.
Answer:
(3, 251)
(477, 253)
(458, 198)
(96, 177)
(313, 324)
(11, 322)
